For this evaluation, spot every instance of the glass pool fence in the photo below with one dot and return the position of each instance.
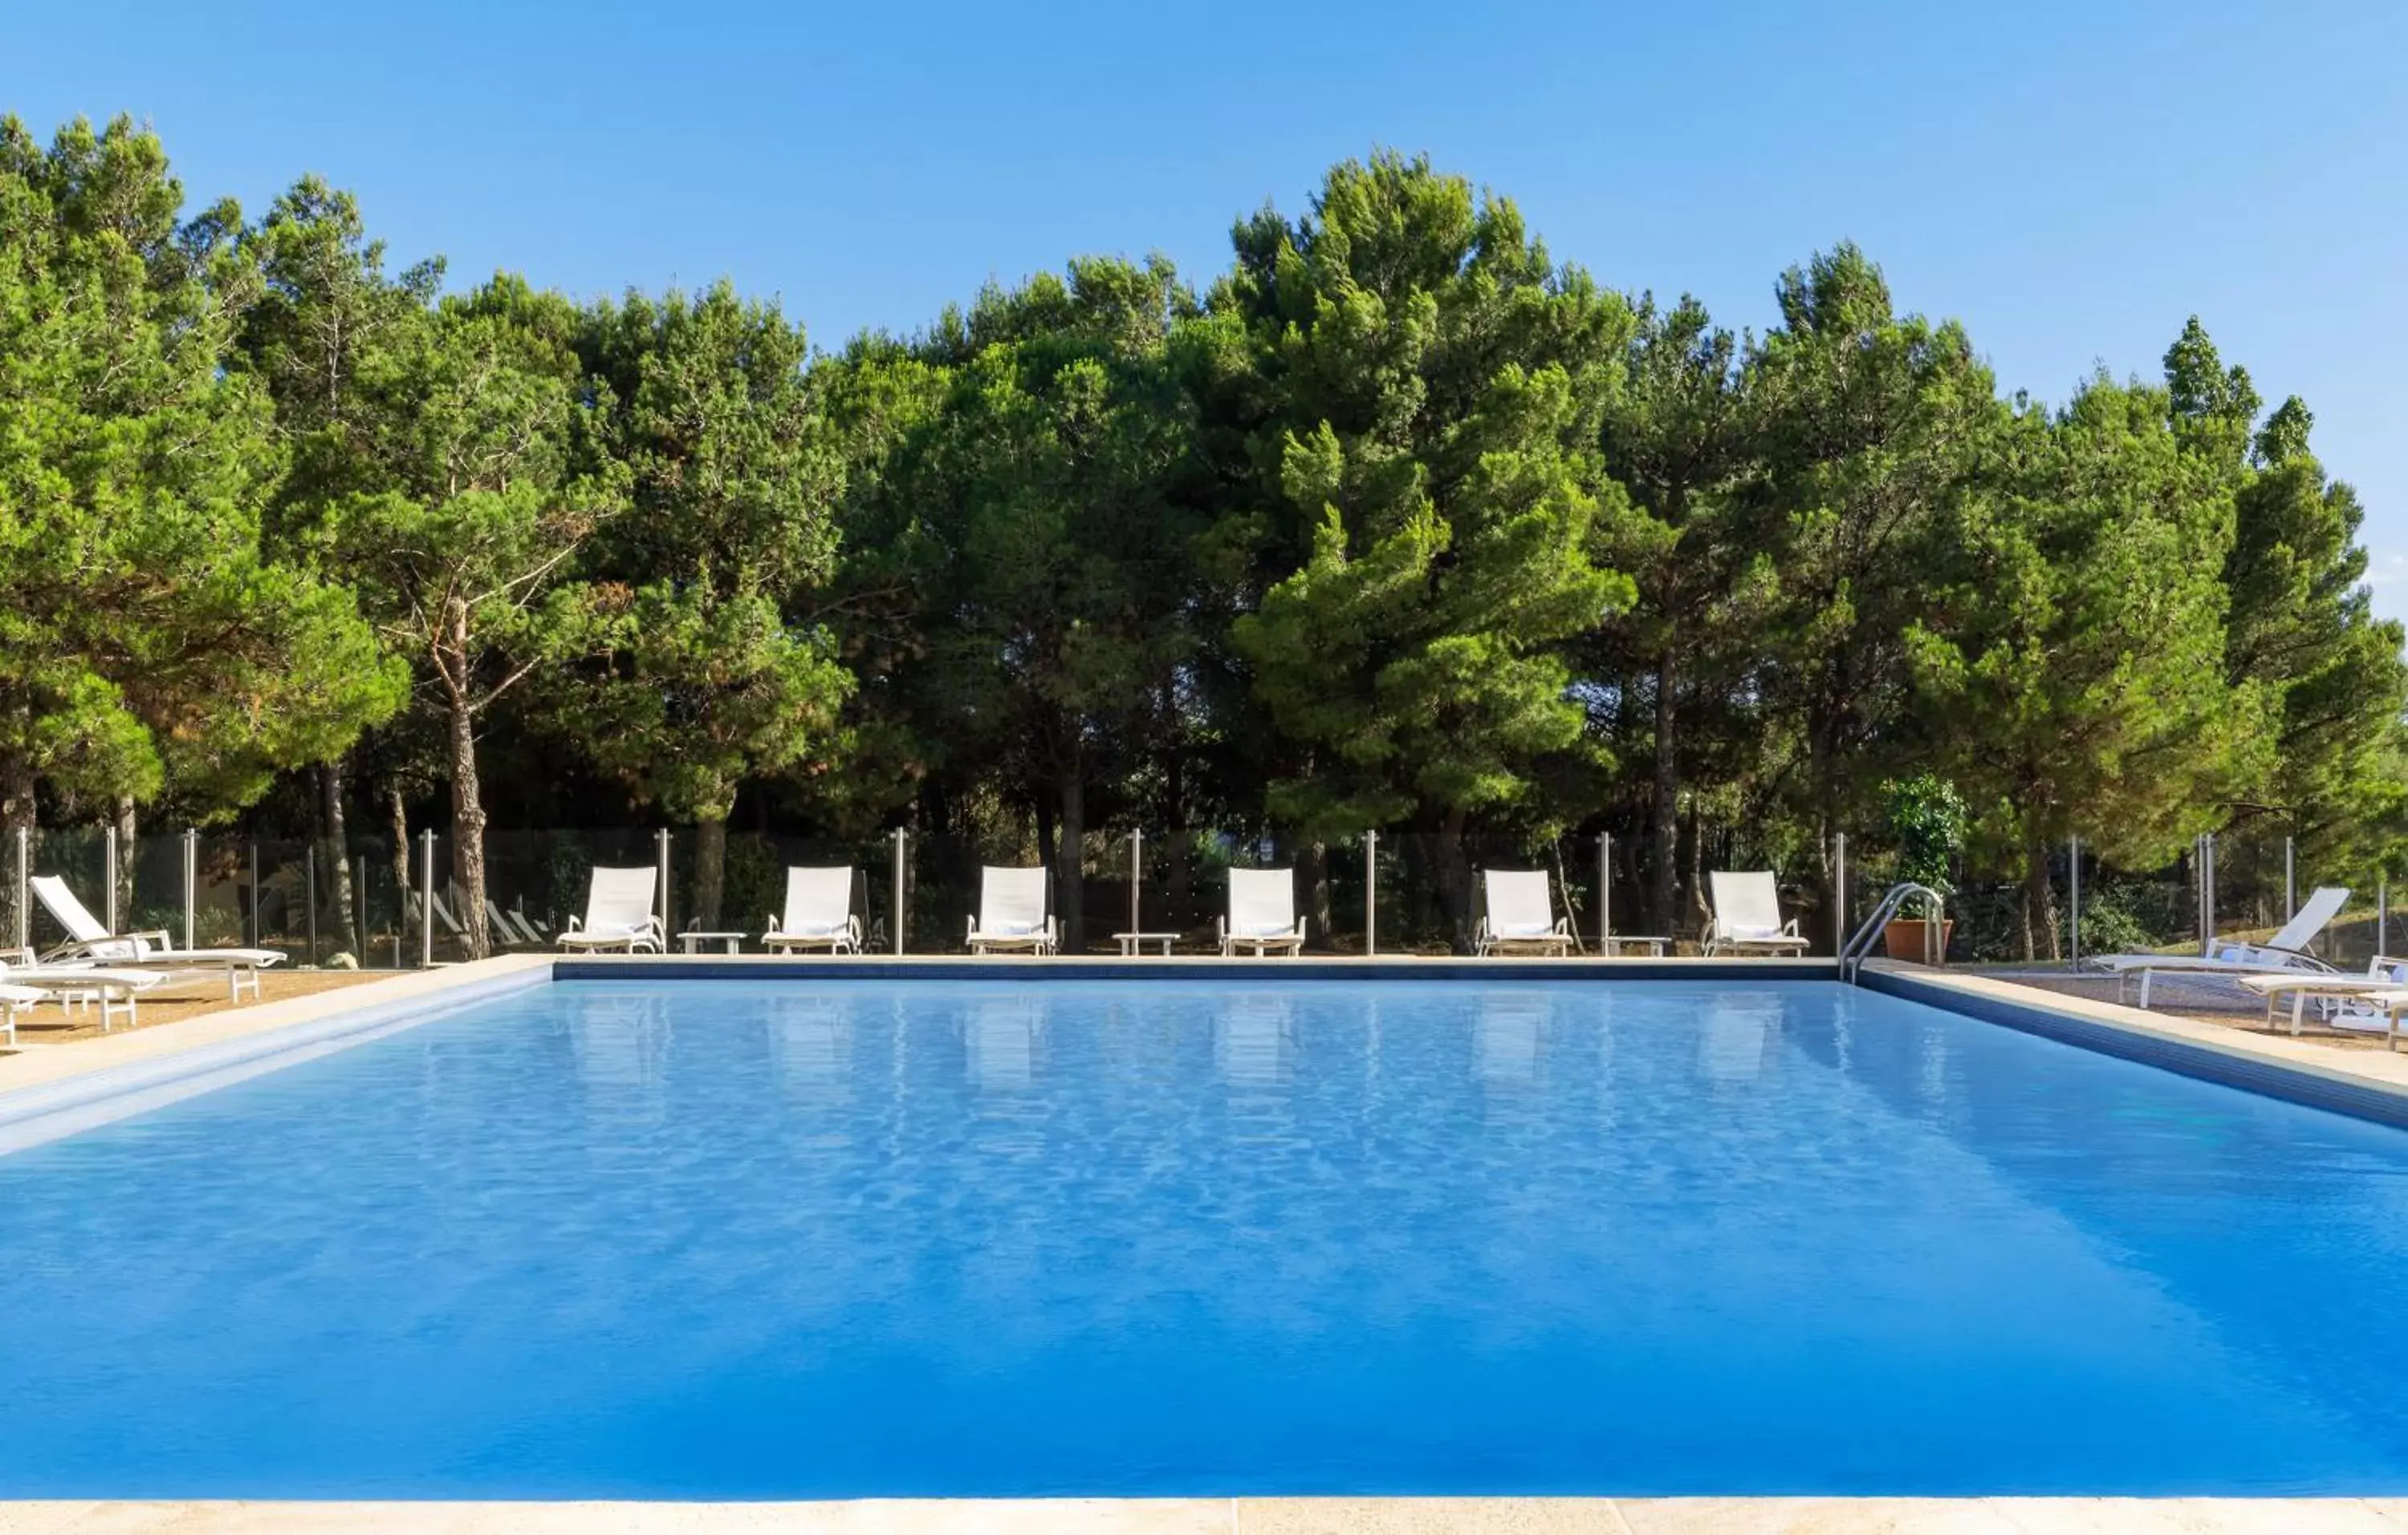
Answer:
(364, 901)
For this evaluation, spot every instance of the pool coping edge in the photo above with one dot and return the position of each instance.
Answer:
(239, 1044)
(2374, 1088)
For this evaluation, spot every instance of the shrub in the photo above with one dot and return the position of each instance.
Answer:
(1926, 823)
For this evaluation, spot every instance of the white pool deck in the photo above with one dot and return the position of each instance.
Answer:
(43, 1067)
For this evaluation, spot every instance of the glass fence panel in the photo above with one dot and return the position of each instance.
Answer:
(78, 858)
(732, 907)
(1415, 893)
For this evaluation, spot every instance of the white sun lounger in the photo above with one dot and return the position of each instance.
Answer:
(14, 1000)
(89, 939)
(1521, 916)
(1012, 914)
(2285, 950)
(1262, 914)
(1747, 916)
(2370, 1003)
(111, 988)
(818, 912)
(618, 913)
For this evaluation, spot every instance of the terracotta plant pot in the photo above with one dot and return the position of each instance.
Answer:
(1903, 937)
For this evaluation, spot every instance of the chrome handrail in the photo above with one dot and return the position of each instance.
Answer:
(1853, 952)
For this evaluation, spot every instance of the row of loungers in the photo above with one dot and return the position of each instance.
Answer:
(2283, 971)
(109, 972)
(1015, 916)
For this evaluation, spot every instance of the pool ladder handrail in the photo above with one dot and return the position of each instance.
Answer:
(1860, 942)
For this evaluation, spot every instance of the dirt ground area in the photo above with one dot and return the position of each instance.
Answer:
(2245, 1013)
(173, 1001)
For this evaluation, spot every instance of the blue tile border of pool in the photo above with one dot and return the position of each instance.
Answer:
(2292, 1083)
(1184, 967)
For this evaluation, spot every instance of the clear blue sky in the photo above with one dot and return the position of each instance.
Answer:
(2069, 179)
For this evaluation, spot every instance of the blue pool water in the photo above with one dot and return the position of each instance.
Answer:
(735, 1239)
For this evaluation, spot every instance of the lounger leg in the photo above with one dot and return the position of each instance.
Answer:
(2145, 976)
(2299, 1009)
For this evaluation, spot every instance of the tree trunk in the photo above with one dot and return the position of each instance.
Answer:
(129, 827)
(1068, 884)
(1663, 905)
(1316, 891)
(16, 815)
(1827, 885)
(400, 844)
(709, 868)
(468, 834)
(338, 852)
(2040, 911)
(1692, 842)
(1453, 881)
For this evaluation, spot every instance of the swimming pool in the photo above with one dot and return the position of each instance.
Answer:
(1002, 1236)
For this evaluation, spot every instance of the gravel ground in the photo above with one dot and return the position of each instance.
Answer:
(176, 1000)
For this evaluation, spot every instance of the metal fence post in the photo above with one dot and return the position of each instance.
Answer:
(661, 867)
(108, 875)
(1136, 877)
(1840, 932)
(425, 899)
(2073, 884)
(360, 906)
(2382, 910)
(2290, 886)
(24, 886)
(2206, 893)
(1604, 892)
(1371, 895)
(900, 865)
(192, 879)
(309, 875)
(255, 920)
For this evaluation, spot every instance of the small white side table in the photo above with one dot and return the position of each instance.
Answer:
(1133, 944)
(731, 943)
(1614, 943)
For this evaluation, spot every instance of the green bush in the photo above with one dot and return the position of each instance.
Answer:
(1927, 823)
(2111, 927)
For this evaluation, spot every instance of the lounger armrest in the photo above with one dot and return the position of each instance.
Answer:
(574, 925)
(2278, 949)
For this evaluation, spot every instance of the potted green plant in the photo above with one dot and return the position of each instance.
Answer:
(1927, 824)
